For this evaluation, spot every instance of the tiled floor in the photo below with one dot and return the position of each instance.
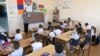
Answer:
(94, 51)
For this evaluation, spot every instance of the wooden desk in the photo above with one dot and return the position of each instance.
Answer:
(65, 36)
(55, 24)
(23, 43)
(45, 33)
(49, 49)
(26, 42)
(64, 39)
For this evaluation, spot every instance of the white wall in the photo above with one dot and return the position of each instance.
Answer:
(15, 21)
(83, 10)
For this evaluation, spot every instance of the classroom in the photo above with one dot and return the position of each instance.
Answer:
(49, 28)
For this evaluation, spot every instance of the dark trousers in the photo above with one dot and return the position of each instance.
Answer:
(26, 27)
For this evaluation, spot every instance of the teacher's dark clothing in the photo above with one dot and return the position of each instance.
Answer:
(26, 22)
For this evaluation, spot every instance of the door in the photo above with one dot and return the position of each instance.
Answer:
(3, 17)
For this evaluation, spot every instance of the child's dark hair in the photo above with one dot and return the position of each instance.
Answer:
(86, 24)
(17, 30)
(49, 23)
(37, 37)
(61, 23)
(80, 24)
(40, 26)
(59, 47)
(16, 45)
(64, 21)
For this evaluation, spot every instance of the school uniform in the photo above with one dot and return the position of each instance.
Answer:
(64, 24)
(59, 54)
(51, 35)
(87, 28)
(74, 39)
(57, 32)
(70, 23)
(36, 46)
(18, 52)
(92, 32)
(40, 31)
(93, 35)
(80, 30)
(18, 37)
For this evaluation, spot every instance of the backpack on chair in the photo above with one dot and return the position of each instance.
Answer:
(97, 40)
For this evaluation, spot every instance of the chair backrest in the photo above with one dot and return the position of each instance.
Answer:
(86, 46)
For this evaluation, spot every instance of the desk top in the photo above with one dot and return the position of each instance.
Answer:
(26, 42)
(45, 33)
(65, 36)
(55, 24)
(49, 49)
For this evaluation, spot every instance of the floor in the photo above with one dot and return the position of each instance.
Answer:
(94, 51)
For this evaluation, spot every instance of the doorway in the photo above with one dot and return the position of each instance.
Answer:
(3, 17)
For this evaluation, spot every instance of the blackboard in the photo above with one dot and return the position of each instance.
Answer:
(36, 17)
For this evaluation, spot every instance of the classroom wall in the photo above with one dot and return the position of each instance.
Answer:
(83, 10)
(15, 20)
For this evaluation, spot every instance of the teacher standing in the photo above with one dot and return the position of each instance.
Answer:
(25, 21)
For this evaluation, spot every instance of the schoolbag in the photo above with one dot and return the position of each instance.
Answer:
(97, 40)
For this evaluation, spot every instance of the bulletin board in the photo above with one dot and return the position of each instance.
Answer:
(64, 4)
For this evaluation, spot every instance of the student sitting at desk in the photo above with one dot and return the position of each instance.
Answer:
(18, 50)
(40, 30)
(93, 34)
(70, 23)
(51, 35)
(18, 35)
(74, 40)
(57, 31)
(88, 36)
(4, 38)
(79, 28)
(65, 24)
(49, 25)
(87, 27)
(37, 44)
(61, 25)
(59, 50)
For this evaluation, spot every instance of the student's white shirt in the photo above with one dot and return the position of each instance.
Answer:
(51, 35)
(40, 31)
(57, 32)
(75, 36)
(92, 32)
(88, 27)
(64, 24)
(18, 52)
(70, 23)
(36, 46)
(18, 37)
